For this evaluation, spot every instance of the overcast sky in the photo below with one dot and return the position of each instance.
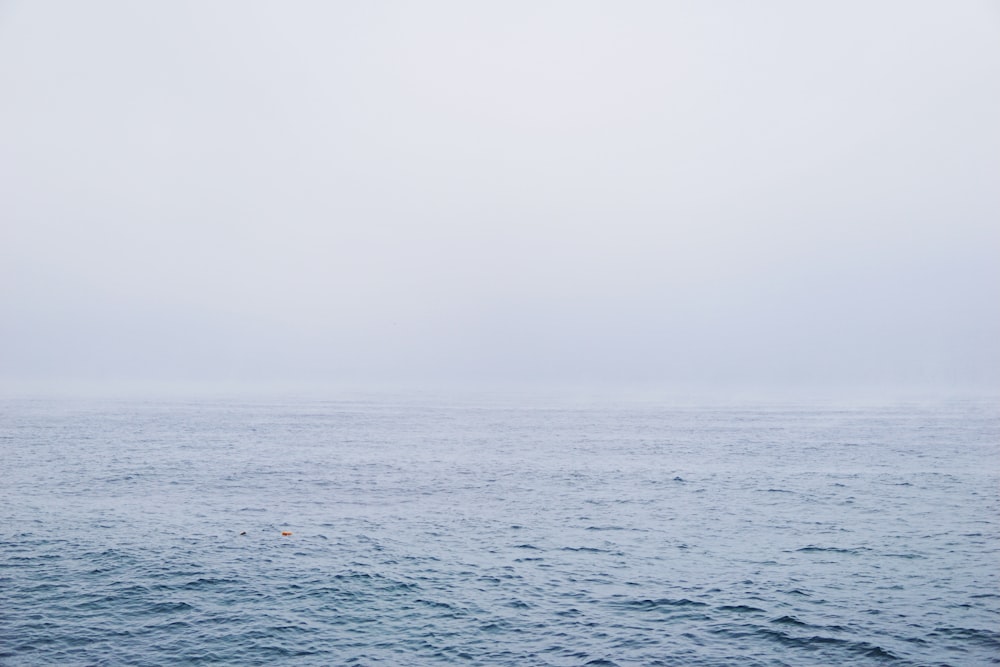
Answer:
(608, 193)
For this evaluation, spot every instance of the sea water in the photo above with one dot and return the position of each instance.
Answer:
(499, 532)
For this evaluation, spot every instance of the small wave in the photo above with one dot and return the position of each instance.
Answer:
(569, 613)
(741, 608)
(788, 620)
(434, 604)
(988, 638)
(794, 622)
(879, 652)
(648, 604)
(493, 628)
(858, 647)
(205, 582)
(589, 550)
(796, 591)
(169, 607)
(836, 550)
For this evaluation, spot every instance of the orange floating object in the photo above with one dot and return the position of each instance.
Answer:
(286, 533)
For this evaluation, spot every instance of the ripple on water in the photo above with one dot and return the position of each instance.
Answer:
(498, 534)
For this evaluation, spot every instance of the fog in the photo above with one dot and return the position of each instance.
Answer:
(672, 194)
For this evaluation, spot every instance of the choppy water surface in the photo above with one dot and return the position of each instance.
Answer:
(487, 532)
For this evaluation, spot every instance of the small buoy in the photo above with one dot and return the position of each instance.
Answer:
(286, 533)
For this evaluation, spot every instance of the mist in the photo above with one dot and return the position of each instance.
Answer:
(674, 194)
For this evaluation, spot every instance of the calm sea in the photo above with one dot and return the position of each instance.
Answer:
(499, 532)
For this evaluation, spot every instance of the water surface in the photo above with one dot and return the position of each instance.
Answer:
(498, 532)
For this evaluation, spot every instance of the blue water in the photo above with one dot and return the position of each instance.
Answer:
(488, 531)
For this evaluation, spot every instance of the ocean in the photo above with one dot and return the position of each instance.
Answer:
(425, 530)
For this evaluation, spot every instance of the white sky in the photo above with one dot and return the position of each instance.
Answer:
(667, 193)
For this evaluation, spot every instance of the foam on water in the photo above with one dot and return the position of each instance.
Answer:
(491, 533)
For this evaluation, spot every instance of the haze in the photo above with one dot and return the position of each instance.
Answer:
(610, 193)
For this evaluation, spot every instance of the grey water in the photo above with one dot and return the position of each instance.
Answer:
(489, 531)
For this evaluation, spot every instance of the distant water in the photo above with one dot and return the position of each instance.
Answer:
(428, 531)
